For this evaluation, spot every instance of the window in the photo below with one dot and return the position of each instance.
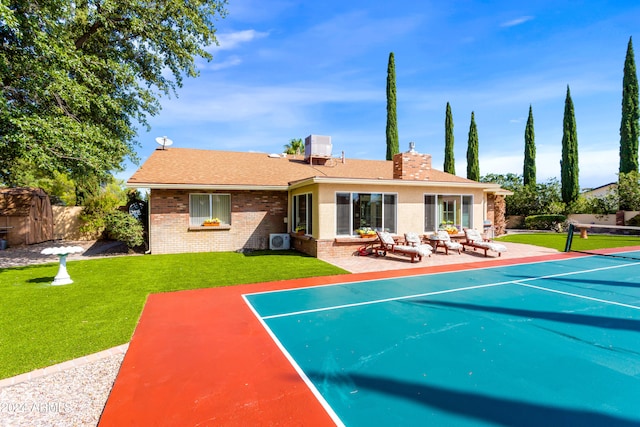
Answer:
(205, 206)
(302, 213)
(443, 210)
(358, 210)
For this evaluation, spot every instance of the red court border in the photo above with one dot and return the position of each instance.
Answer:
(200, 357)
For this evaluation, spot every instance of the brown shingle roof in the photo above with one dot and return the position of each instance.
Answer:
(192, 167)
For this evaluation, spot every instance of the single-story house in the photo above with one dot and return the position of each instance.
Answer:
(601, 191)
(257, 196)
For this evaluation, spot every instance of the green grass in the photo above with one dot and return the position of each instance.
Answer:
(558, 241)
(41, 325)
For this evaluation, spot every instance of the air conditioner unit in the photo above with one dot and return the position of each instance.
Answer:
(317, 146)
(279, 241)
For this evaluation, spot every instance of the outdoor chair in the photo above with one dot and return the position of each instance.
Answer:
(444, 239)
(388, 245)
(475, 240)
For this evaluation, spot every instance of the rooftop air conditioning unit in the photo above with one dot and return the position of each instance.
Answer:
(317, 146)
(279, 241)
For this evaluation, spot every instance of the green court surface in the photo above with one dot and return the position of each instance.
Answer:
(542, 344)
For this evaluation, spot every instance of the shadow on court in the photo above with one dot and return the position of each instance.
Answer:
(577, 319)
(581, 281)
(492, 409)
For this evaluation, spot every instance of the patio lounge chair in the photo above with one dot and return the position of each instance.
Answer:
(476, 241)
(445, 240)
(388, 245)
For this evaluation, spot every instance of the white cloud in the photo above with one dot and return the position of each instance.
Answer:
(596, 167)
(517, 21)
(230, 41)
(223, 103)
(232, 61)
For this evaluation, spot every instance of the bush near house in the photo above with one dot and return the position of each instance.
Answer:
(544, 222)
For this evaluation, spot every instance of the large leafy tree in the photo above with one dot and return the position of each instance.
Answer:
(529, 168)
(473, 162)
(76, 76)
(393, 146)
(569, 163)
(628, 191)
(629, 126)
(449, 160)
(534, 199)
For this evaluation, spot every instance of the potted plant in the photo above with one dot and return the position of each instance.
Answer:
(301, 230)
(211, 222)
(366, 232)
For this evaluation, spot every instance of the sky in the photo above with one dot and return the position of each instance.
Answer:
(287, 69)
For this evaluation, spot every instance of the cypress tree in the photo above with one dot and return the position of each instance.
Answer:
(569, 162)
(629, 127)
(529, 170)
(473, 165)
(449, 161)
(392, 121)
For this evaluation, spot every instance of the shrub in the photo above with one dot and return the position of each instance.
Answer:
(635, 221)
(545, 222)
(125, 228)
(102, 217)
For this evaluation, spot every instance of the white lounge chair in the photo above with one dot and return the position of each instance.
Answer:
(445, 239)
(388, 245)
(476, 241)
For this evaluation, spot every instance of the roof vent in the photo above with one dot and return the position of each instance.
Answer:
(317, 147)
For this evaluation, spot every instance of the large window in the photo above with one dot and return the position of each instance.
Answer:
(444, 210)
(205, 206)
(302, 213)
(358, 210)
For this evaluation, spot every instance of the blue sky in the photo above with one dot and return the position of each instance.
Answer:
(290, 68)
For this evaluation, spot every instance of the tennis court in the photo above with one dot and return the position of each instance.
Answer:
(538, 343)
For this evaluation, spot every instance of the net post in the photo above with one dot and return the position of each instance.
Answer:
(567, 246)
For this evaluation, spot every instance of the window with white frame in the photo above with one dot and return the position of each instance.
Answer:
(354, 211)
(302, 213)
(447, 210)
(205, 206)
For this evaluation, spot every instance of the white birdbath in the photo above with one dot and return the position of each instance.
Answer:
(62, 278)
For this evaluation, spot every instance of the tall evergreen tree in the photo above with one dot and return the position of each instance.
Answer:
(392, 120)
(529, 170)
(449, 161)
(629, 127)
(473, 163)
(569, 162)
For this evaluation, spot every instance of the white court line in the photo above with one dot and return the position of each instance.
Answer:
(336, 419)
(579, 296)
(378, 301)
(404, 297)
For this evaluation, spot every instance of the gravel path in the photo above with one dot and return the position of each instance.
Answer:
(70, 394)
(72, 397)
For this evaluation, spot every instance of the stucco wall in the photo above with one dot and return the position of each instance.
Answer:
(410, 201)
(254, 215)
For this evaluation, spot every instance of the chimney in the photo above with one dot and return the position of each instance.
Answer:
(411, 165)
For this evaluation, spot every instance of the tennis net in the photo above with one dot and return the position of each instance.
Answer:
(611, 240)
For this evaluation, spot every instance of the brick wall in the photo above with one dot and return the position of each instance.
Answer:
(411, 165)
(254, 215)
(327, 248)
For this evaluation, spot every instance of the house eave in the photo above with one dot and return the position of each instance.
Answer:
(222, 187)
(492, 188)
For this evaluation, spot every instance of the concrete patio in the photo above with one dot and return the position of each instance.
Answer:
(364, 264)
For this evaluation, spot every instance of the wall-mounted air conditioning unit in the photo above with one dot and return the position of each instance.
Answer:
(279, 241)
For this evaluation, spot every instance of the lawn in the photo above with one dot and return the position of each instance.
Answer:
(559, 240)
(41, 325)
